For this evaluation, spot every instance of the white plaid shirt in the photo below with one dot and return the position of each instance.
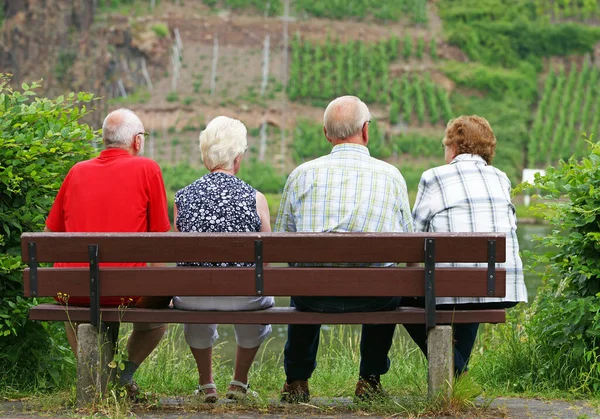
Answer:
(467, 195)
(345, 191)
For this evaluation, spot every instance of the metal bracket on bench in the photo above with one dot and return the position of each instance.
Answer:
(94, 286)
(430, 283)
(33, 265)
(491, 273)
(258, 267)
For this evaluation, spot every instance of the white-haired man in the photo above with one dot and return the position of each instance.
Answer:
(118, 191)
(345, 191)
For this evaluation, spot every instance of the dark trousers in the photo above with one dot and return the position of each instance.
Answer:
(300, 353)
(463, 334)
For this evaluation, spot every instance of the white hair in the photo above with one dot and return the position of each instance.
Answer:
(221, 142)
(345, 117)
(120, 128)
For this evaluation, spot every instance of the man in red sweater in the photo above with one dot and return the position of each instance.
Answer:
(118, 191)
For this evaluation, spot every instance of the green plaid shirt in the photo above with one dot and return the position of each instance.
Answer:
(345, 191)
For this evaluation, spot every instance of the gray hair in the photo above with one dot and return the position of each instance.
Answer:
(221, 142)
(120, 128)
(345, 117)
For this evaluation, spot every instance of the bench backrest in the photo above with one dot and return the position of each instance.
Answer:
(262, 248)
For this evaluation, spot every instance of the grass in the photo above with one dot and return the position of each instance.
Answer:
(140, 95)
(500, 366)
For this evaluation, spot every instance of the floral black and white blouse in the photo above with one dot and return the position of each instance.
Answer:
(217, 203)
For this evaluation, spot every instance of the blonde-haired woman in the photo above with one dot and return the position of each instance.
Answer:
(468, 194)
(219, 202)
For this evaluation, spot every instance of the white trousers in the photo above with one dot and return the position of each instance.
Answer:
(202, 336)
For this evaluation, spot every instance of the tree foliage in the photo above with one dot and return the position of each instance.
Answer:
(565, 318)
(40, 139)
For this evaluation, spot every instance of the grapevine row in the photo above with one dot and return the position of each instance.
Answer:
(569, 105)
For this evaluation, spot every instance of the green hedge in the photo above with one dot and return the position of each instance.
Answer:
(40, 139)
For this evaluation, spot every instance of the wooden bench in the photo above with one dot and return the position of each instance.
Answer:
(426, 281)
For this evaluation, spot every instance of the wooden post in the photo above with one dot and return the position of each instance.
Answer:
(94, 351)
(265, 65)
(176, 62)
(122, 88)
(178, 40)
(441, 362)
(263, 140)
(215, 60)
(146, 75)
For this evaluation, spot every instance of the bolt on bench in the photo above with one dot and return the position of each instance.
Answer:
(261, 248)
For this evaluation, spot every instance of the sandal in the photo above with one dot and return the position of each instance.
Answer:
(239, 391)
(209, 396)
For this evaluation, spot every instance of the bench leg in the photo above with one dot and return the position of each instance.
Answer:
(94, 352)
(441, 369)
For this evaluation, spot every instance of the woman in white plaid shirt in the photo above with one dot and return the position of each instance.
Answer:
(469, 195)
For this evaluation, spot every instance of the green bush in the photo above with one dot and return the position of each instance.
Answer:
(309, 142)
(565, 318)
(40, 139)
(496, 81)
(506, 32)
(172, 97)
(160, 29)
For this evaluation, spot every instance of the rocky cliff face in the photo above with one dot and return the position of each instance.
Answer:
(43, 38)
(58, 41)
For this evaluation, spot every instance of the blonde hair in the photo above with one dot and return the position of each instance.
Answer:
(221, 142)
(471, 134)
(345, 117)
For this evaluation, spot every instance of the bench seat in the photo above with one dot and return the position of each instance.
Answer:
(275, 315)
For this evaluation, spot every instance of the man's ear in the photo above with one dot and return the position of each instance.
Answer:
(137, 144)
(325, 131)
(365, 133)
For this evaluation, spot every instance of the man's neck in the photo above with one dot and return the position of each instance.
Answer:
(351, 140)
(129, 150)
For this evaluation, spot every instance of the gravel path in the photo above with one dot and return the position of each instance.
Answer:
(173, 408)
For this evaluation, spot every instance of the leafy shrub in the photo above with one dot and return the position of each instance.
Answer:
(40, 139)
(507, 32)
(565, 319)
(172, 97)
(160, 29)
(309, 142)
(497, 81)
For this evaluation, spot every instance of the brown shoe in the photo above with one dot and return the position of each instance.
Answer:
(295, 392)
(368, 389)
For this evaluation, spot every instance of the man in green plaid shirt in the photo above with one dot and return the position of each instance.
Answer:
(345, 191)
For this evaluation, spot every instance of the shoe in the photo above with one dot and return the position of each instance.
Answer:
(295, 392)
(239, 391)
(205, 390)
(368, 389)
(132, 391)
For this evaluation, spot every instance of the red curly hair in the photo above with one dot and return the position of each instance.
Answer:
(471, 134)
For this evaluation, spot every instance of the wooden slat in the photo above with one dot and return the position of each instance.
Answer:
(276, 315)
(450, 282)
(278, 247)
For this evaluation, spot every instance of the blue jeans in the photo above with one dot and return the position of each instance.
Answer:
(300, 353)
(463, 334)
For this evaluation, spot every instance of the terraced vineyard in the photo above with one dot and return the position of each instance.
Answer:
(581, 10)
(383, 10)
(569, 106)
(323, 71)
